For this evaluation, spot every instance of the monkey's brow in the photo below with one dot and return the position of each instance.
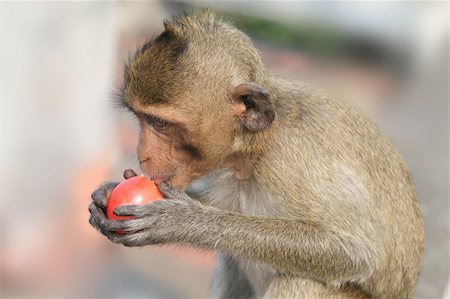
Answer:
(121, 102)
(153, 117)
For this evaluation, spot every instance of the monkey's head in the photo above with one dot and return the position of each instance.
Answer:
(198, 90)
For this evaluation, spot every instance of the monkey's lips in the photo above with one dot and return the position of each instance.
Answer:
(158, 179)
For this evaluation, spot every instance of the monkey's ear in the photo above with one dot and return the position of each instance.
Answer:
(257, 112)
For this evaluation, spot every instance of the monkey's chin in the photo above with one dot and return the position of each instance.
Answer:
(172, 179)
(180, 182)
(159, 179)
(177, 183)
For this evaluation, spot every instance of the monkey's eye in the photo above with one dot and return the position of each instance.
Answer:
(157, 123)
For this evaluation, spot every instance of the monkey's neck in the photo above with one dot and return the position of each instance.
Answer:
(240, 164)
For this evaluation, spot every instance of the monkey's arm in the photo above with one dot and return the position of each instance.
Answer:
(302, 247)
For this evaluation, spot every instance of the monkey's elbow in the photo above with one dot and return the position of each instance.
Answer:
(361, 263)
(358, 275)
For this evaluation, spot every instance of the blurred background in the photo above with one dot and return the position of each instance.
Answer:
(60, 64)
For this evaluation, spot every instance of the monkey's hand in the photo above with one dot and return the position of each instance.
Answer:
(161, 222)
(101, 195)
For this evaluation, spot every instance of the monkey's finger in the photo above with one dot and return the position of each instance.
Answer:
(99, 220)
(134, 210)
(129, 173)
(173, 193)
(93, 223)
(168, 190)
(93, 218)
(137, 224)
(101, 195)
(138, 239)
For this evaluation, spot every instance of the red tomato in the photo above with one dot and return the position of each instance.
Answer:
(137, 190)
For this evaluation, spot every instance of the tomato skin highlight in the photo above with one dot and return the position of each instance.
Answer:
(137, 190)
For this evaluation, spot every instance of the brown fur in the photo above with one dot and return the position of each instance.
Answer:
(315, 203)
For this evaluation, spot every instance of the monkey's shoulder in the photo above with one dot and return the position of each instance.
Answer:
(322, 140)
(311, 121)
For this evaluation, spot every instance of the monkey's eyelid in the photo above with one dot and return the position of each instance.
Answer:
(156, 121)
(153, 118)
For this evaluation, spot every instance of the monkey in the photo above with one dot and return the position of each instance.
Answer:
(297, 191)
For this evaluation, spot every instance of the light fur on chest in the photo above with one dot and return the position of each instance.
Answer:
(222, 190)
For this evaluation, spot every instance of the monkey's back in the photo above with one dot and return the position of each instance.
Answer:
(346, 172)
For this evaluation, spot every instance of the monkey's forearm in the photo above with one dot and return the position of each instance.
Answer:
(307, 247)
(291, 246)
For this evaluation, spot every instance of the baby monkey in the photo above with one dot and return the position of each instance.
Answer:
(298, 192)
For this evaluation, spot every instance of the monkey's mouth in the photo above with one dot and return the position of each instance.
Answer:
(159, 179)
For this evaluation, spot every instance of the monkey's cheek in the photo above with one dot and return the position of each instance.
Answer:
(175, 182)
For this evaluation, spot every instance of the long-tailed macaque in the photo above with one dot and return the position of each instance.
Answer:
(298, 192)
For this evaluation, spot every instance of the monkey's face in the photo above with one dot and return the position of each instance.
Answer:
(193, 102)
(178, 143)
